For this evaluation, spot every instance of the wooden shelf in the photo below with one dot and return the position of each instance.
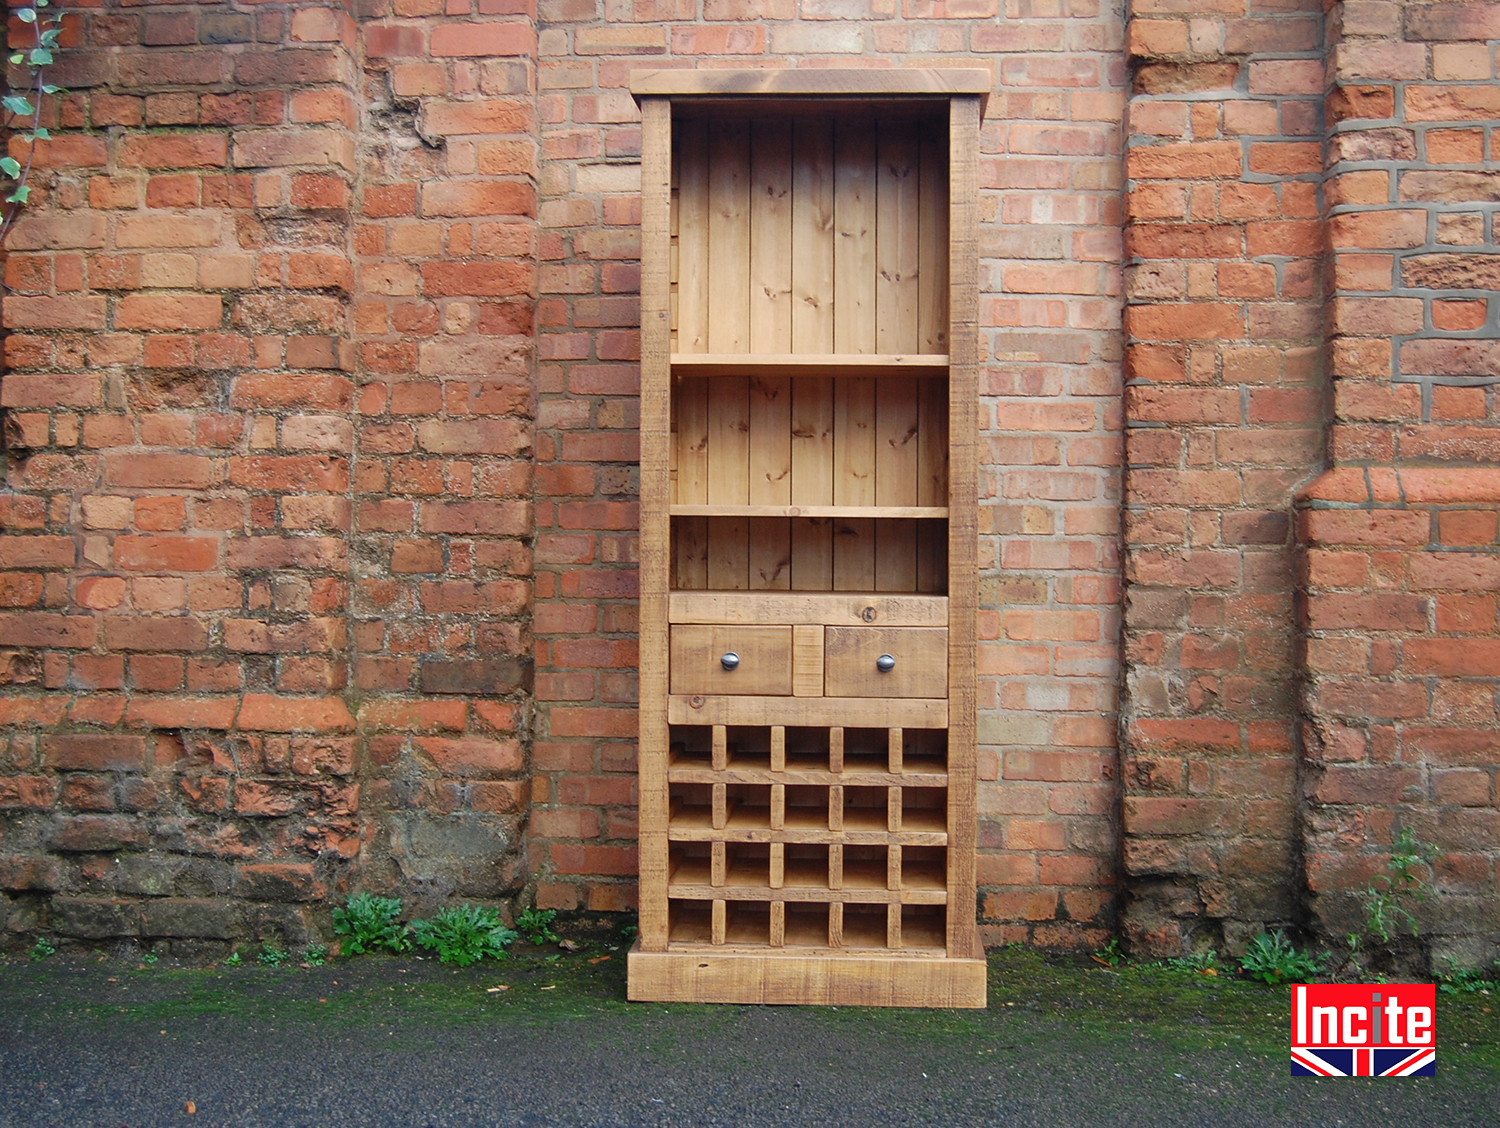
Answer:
(697, 826)
(868, 712)
(805, 892)
(702, 773)
(890, 512)
(833, 609)
(809, 364)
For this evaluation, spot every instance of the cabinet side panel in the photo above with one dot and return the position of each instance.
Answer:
(692, 238)
(656, 171)
(963, 531)
(771, 237)
(813, 237)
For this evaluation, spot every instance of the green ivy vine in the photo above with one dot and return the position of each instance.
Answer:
(27, 104)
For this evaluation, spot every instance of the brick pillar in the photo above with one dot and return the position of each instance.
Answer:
(1223, 424)
(176, 497)
(1401, 557)
(445, 249)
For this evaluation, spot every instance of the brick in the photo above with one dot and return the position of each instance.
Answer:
(472, 756)
(486, 198)
(168, 312)
(1458, 21)
(261, 712)
(278, 882)
(21, 873)
(94, 753)
(471, 39)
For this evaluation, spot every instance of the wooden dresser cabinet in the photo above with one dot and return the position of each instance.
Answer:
(809, 392)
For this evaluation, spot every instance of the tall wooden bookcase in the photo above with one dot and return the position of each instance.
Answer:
(809, 390)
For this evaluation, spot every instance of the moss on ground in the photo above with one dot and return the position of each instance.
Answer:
(1035, 1000)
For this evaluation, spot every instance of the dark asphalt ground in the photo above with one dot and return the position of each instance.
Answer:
(382, 1042)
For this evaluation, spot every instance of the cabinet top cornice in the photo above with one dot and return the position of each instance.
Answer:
(812, 82)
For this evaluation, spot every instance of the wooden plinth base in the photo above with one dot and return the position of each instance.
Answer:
(714, 975)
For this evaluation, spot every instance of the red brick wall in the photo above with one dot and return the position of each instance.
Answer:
(1403, 657)
(268, 433)
(318, 565)
(1223, 424)
(444, 249)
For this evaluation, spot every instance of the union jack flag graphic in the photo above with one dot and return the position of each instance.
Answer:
(1308, 1061)
(1363, 1030)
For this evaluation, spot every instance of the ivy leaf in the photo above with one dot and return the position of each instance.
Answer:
(41, 132)
(18, 58)
(27, 15)
(49, 38)
(19, 195)
(17, 104)
(40, 56)
(10, 166)
(48, 88)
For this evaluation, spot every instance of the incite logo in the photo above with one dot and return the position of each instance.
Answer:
(1363, 1030)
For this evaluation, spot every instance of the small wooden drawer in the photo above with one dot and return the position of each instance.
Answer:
(852, 661)
(764, 656)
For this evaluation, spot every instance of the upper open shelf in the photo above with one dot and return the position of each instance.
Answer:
(809, 364)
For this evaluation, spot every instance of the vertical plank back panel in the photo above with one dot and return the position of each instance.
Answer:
(728, 237)
(812, 554)
(728, 480)
(690, 553)
(896, 555)
(854, 441)
(728, 554)
(897, 445)
(692, 238)
(770, 440)
(854, 554)
(854, 223)
(771, 237)
(932, 443)
(812, 481)
(770, 553)
(896, 238)
(691, 419)
(932, 240)
(674, 216)
(812, 235)
(728, 440)
(770, 548)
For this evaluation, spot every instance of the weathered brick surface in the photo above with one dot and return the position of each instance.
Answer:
(1402, 657)
(445, 263)
(318, 532)
(1223, 423)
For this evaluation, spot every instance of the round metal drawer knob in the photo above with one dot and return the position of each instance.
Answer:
(885, 663)
(730, 661)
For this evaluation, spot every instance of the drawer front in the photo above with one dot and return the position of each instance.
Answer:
(765, 660)
(852, 654)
